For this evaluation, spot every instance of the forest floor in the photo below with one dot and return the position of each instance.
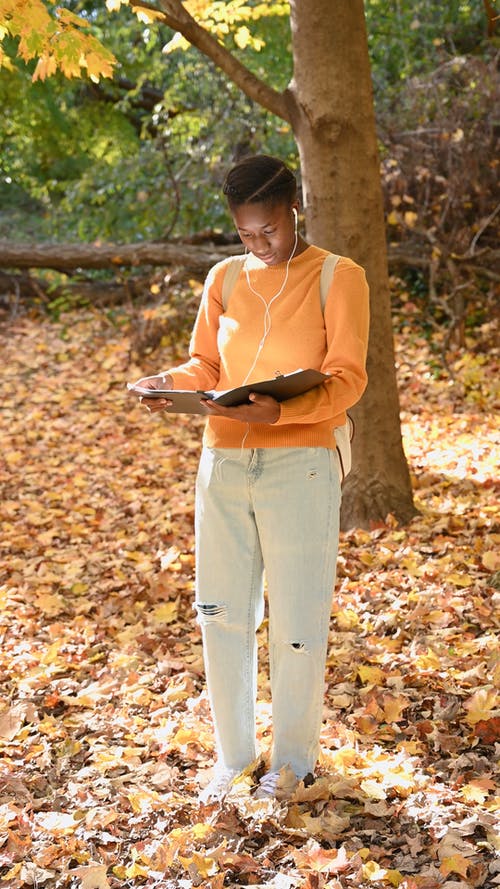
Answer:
(105, 734)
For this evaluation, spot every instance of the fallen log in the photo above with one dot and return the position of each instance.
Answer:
(70, 257)
(195, 259)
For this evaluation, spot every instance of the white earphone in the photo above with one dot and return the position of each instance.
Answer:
(296, 217)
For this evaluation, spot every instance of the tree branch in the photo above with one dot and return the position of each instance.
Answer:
(491, 16)
(176, 16)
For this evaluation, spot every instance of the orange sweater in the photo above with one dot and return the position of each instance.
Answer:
(224, 345)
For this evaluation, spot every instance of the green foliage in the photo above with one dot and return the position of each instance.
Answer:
(143, 155)
(408, 38)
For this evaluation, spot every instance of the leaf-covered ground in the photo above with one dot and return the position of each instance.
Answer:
(105, 734)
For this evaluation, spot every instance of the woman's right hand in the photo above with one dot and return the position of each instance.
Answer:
(159, 381)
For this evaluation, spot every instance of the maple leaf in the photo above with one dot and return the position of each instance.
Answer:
(394, 705)
(371, 675)
(12, 719)
(481, 704)
(488, 730)
(92, 876)
(454, 864)
(199, 865)
(477, 790)
(115, 692)
(313, 857)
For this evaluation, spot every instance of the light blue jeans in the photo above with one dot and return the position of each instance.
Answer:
(276, 508)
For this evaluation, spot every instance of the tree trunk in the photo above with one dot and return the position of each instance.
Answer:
(334, 124)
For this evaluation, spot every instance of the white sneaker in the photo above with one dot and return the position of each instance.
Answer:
(268, 785)
(218, 786)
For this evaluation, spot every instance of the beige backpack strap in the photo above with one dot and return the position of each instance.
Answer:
(326, 277)
(233, 268)
(343, 434)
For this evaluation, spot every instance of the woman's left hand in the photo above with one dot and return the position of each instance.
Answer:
(263, 409)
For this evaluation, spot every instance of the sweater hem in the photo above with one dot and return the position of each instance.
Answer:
(274, 438)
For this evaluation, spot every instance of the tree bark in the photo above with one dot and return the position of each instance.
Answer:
(334, 123)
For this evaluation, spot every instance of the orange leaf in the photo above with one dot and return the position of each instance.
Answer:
(455, 864)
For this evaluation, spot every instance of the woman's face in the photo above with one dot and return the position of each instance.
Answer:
(267, 230)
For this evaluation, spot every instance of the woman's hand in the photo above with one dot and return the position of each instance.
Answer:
(263, 409)
(159, 381)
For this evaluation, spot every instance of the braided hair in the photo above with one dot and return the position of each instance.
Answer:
(260, 178)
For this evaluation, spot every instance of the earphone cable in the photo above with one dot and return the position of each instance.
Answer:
(267, 305)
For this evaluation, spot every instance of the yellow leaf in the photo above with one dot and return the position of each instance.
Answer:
(242, 37)
(393, 218)
(50, 604)
(136, 870)
(69, 18)
(201, 830)
(481, 705)
(410, 218)
(5, 62)
(346, 619)
(491, 560)
(373, 789)
(471, 793)
(97, 66)
(166, 612)
(13, 872)
(148, 15)
(52, 653)
(394, 707)
(177, 42)
(144, 801)
(394, 877)
(462, 580)
(429, 661)
(372, 871)
(204, 867)
(371, 675)
(13, 458)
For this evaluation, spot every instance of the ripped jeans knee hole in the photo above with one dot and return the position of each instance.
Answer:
(211, 612)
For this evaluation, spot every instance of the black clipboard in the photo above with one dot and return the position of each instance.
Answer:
(281, 387)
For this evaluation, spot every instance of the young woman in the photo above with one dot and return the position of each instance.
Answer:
(268, 488)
